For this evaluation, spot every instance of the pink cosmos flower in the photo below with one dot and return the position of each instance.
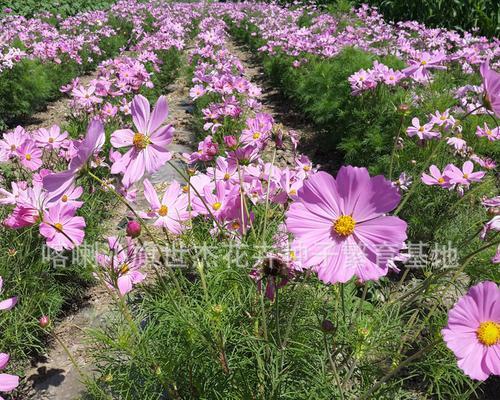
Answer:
(207, 150)
(61, 228)
(52, 138)
(172, 211)
(422, 131)
(257, 130)
(122, 267)
(340, 226)
(219, 203)
(420, 66)
(224, 169)
(8, 382)
(473, 331)
(490, 134)
(85, 97)
(6, 304)
(491, 85)
(441, 119)
(456, 142)
(12, 141)
(435, 177)
(59, 183)
(197, 91)
(30, 156)
(492, 225)
(148, 146)
(465, 176)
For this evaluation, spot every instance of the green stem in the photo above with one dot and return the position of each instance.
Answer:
(393, 153)
(393, 372)
(146, 228)
(417, 183)
(334, 367)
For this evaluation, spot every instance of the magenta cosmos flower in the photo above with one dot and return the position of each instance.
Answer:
(61, 228)
(491, 85)
(340, 226)
(473, 331)
(148, 146)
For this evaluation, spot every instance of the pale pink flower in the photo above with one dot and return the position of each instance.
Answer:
(148, 146)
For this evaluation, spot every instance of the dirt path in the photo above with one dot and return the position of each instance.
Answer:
(53, 376)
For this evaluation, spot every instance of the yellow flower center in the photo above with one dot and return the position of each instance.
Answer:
(28, 157)
(124, 269)
(141, 141)
(307, 168)
(441, 180)
(64, 199)
(466, 176)
(421, 129)
(488, 333)
(163, 210)
(51, 140)
(256, 135)
(344, 225)
(293, 192)
(489, 132)
(59, 227)
(185, 188)
(443, 118)
(216, 206)
(226, 176)
(423, 62)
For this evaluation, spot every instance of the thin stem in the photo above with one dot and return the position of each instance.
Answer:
(264, 230)
(82, 374)
(393, 372)
(393, 153)
(416, 184)
(334, 367)
(146, 228)
(197, 193)
(277, 317)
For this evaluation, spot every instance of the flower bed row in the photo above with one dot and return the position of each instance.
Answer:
(38, 55)
(46, 218)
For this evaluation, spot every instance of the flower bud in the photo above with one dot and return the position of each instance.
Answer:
(44, 321)
(133, 229)
(327, 326)
(230, 141)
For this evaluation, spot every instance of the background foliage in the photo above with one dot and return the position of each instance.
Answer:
(64, 8)
(462, 15)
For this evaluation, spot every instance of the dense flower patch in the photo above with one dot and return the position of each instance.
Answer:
(274, 279)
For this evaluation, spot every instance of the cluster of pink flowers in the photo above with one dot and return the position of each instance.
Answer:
(369, 79)
(71, 39)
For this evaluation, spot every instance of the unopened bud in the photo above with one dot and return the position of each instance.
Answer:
(44, 321)
(133, 229)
